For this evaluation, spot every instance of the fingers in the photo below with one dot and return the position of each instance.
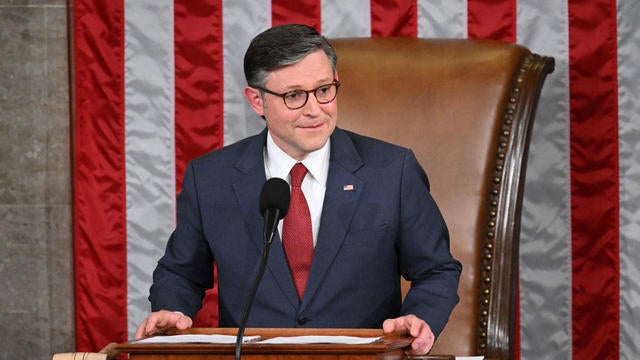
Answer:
(423, 339)
(160, 321)
(416, 328)
(389, 326)
(141, 330)
(184, 322)
(401, 325)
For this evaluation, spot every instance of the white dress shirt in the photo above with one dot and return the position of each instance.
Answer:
(278, 164)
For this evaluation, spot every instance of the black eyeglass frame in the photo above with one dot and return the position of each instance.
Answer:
(283, 95)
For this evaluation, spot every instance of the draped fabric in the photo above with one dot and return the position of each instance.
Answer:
(158, 82)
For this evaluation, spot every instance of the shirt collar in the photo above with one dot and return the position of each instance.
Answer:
(278, 163)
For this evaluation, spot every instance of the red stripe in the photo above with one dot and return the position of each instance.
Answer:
(99, 175)
(594, 179)
(299, 11)
(394, 18)
(199, 98)
(492, 19)
(198, 80)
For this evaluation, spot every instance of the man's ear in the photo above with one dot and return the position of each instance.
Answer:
(255, 100)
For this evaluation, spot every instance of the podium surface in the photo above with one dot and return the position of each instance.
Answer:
(388, 347)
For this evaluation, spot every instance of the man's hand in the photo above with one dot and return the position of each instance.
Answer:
(415, 327)
(160, 321)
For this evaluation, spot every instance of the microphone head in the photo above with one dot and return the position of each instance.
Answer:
(275, 195)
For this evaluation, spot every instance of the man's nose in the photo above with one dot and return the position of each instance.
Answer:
(312, 107)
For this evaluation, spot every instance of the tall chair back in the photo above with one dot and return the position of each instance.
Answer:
(466, 108)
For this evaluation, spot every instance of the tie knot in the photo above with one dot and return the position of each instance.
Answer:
(298, 171)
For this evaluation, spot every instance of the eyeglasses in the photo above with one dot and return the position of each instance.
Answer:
(296, 99)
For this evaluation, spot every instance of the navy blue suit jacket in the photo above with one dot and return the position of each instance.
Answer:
(387, 226)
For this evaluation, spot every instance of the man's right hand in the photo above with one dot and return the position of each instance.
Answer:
(159, 322)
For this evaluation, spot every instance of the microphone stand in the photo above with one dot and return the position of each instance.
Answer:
(268, 238)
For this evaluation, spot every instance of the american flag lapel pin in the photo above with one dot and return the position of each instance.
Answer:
(348, 187)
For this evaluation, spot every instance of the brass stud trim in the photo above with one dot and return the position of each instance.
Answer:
(494, 202)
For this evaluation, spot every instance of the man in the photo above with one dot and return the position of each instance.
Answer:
(370, 216)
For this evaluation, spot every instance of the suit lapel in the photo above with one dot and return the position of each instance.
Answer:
(341, 199)
(247, 191)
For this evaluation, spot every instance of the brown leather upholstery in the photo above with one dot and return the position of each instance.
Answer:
(466, 108)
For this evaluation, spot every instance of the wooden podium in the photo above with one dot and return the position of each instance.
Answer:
(388, 347)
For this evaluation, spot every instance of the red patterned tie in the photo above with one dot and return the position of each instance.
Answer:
(297, 237)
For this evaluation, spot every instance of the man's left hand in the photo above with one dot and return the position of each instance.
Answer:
(415, 327)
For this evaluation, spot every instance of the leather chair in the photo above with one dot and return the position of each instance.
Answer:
(466, 108)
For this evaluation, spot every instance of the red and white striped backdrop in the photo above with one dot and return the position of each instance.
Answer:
(158, 82)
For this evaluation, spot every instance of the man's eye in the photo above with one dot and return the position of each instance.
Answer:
(294, 95)
(323, 89)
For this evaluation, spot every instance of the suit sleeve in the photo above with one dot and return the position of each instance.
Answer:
(424, 253)
(185, 271)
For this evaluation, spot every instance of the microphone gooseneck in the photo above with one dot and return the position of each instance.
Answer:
(274, 204)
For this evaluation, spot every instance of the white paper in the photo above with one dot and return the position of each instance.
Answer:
(312, 339)
(195, 339)
(469, 357)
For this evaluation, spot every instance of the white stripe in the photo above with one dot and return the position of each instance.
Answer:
(149, 145)
(545, 250)
(442, 19)
(342, 19)
(628, 13)
(241, 21)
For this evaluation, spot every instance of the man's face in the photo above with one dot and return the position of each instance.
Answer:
(301, 131)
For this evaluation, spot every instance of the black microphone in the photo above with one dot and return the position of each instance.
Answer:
(274, 204)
